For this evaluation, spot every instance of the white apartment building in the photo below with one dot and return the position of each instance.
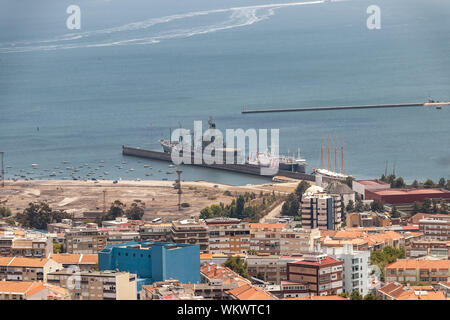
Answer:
(356, 267)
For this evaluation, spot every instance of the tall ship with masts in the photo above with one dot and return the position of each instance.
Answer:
(328, 171)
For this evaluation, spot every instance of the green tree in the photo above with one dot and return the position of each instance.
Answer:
(428, 184)
(136, 210)
(57, 247)
(301, 188)
(416, 207)
(443, 208)
(441, 183)
(427, 205)
(238, 265)
(394, 212)
(349, 181)
(240, 202)
(359, 206)
(415, 184)
(5, 212)
(370, 296)
(39, 214)
(350, 206)
(116, 210)
(399, 183)
(344, 294)
(377, 205)
(356, 295)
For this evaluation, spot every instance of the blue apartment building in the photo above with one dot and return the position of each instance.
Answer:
(153, 261)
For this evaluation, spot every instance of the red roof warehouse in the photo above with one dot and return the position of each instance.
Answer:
(397, 196)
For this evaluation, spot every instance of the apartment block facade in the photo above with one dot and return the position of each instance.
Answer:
(321, 211)
(96, 285)
(322, 273)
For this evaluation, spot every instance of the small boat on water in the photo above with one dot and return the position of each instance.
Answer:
(35, 165)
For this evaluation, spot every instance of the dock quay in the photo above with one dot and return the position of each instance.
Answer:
(239, 168)
(379, 106)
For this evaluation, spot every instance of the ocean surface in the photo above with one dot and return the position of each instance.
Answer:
(137, 68)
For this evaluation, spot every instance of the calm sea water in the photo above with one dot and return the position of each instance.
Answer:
(137, 68)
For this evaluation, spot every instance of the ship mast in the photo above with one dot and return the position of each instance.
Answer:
(321, 152)
(328, 152)
(335, 153)
(342, 156)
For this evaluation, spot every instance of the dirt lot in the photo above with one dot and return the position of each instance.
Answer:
(160, 197)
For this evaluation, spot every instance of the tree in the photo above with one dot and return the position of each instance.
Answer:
(428, 184)
(394, 212)
(441, 183)
(350, 206)
(57, 247)
(135, 211)
(116, 210)
(377, 205)
(344, 294)
(240, 202)
(349, 181)
(415, 184)
(5, 212)
(359, 206)
(444, 208)
(356, 295)
(398, 183)
(427, 205)
(238, 265)
(416, 207)
(301, 188)
(370, 296)
(39, 214)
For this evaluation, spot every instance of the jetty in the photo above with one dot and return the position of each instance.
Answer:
(375, 106)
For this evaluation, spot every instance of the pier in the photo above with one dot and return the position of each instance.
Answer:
(376, 106)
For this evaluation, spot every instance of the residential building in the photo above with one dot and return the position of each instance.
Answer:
(228, 235)
(155, 232)
(21, 243)
(168, 290)
(434, 248)
(58, 227)
(190, 231)
(265, 237)
(219, 258)
(435, 228)
(445, 288)
(31, 290)
(216, 280)
(367, 219)
(356, 268)
(269, 268)
(84, 262)
(85, 240)
(249, 292)
(27, 269)
(320, 210)
(397, 291)
(290, 289)
(414, 271)
(116, 237)
(153, 261)
(322, 273)
(96, 285)
(296, 241)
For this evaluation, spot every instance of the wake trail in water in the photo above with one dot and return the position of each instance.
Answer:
(140, 33)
